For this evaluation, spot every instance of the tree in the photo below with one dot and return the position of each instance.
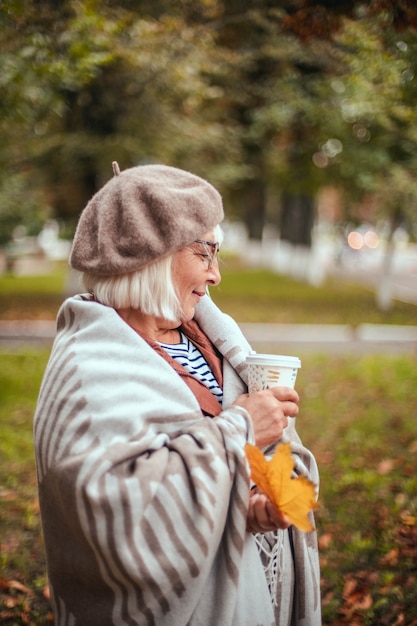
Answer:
(87, 83)
(338, 108)
(265, 99)
(377, 139)
(266, 81)
(40, 59)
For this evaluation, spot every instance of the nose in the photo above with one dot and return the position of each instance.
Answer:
(214, 276)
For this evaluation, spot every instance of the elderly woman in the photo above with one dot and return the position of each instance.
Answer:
(141, 425)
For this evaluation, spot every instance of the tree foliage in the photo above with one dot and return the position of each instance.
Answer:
(265, 99)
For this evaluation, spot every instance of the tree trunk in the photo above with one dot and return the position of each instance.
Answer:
(254, 204)
(297, 219)
(384, 287)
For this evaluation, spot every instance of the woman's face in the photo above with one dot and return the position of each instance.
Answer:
(193, 270)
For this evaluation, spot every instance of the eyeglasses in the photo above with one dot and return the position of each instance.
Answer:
(212, 251)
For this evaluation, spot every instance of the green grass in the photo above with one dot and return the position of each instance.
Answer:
(249, 295)
(32, 297)
(358, 417)
(263, 296)
(45, 284)
(23, 576)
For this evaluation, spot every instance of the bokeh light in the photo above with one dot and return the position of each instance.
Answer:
(371, 239)
(355, 240)
(358, 240)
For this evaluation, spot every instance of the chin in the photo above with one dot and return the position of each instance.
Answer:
(187, 315)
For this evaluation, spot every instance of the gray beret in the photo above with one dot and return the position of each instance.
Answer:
(141, 215)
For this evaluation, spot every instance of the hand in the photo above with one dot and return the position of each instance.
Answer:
(264, 516)
(269, 410)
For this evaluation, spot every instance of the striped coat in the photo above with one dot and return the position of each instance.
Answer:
(143, 500)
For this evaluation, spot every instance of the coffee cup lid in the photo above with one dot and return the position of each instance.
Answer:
(273, 359)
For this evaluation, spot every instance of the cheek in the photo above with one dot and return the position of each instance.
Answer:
(184, 267)
(181, 275)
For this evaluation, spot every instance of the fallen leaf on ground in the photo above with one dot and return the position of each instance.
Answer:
(385, 466)
(46, 592)
(325, 540)
(14, 584)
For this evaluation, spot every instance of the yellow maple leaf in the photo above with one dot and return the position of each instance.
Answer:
(294, 497)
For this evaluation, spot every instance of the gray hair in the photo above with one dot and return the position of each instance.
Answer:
(149, 289)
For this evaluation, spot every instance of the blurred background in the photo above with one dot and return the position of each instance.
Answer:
(301, 112)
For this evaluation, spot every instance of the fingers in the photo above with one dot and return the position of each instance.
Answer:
(283, 398)
(285, 394)
(289, 399)
(276, 517)
(263, 516)
(269, 410)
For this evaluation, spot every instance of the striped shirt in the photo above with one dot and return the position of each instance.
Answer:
(194, 362)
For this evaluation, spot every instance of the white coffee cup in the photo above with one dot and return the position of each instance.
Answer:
(271, 370)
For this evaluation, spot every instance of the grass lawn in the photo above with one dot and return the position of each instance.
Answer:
(23, 577)
(253, 295)
(358, 415)
(249, 295)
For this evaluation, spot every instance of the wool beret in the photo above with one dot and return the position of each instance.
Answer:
(140, 215)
